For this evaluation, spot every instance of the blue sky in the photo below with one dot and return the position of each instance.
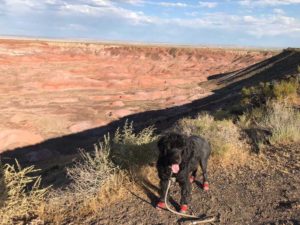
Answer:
(261, 23)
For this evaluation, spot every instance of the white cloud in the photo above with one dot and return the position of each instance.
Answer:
(202, 4)
(273, 24)
(254, 3)
(192, 14)
(209, 20)
(16, 7)
(105, 10)
(74, 27)
(132, 2)
(22, 4)
(207, 4)
(278, 11)
(257, 26)
(100, 2)
(172, 4)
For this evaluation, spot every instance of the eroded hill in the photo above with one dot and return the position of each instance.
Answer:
(51, 89)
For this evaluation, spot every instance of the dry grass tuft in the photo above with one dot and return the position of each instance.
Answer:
(20, 204)
(223, 135)
(271, 115)
(283, 121)
(276, 123)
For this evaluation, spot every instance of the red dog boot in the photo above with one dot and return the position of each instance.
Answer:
(192, 179)
(205, 186)
(161, 205)
(183, 208)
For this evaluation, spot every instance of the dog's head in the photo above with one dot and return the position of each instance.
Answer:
(171, 149)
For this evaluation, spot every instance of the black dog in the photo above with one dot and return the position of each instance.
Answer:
(181, 155)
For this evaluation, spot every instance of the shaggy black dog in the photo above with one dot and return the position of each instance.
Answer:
(181, 155)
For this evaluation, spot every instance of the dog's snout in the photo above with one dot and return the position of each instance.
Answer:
(177, 159)
(174, 159)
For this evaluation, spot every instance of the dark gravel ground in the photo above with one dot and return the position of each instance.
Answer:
(265, 191)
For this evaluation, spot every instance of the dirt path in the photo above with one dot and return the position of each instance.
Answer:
(264, 191)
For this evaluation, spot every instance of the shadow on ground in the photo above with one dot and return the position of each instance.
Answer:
(3, 189)
(227, 88)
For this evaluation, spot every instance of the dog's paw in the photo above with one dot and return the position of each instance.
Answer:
(183, 208)
(205, 186)
(161, 205)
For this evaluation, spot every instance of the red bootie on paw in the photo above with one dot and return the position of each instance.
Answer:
(161, 205)
(192, 179)
(183, 208)
(205, 186)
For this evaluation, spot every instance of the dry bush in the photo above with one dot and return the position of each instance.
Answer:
(223, 135)
(283, 121)
(21, 194)
(269, 117)
(283, 91)
(136, 153)
(95, 182)
(102, 177)
(134, 150)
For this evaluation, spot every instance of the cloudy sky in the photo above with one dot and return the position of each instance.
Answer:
(262, 23)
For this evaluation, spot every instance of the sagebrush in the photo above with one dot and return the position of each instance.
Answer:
(95, 182)
(133, 150)
(21, 194)
(257, 96)
(224, 136)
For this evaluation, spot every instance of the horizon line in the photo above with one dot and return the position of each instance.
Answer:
(136, 43)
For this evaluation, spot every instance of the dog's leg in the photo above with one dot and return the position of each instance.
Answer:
(186, 189)
(163, 190)
(203, 164)
(193, 176)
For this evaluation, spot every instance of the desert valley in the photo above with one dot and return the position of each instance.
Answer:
(60, 98)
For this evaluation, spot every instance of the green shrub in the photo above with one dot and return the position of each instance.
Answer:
(134, 150)
(257, 96)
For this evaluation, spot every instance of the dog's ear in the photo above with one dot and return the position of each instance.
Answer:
(162, 145)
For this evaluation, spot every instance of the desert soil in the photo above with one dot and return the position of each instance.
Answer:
(50, 89)
(264, 191)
